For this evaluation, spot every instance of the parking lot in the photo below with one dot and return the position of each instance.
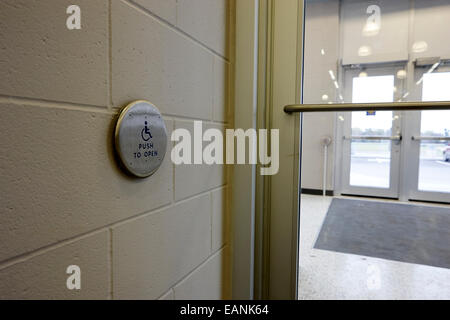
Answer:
(434, 175)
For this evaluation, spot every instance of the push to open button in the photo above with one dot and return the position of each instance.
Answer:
(141, 138)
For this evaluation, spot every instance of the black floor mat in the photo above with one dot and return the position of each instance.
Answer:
(399, 232)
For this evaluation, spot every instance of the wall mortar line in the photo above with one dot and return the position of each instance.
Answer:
(176, 29)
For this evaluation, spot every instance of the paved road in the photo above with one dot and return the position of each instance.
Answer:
(434, 174)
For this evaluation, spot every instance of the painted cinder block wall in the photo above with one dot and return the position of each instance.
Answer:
(63, 199)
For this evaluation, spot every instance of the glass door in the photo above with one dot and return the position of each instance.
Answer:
(348, 74)
(371, 140)
(359, 56)
(429, 150)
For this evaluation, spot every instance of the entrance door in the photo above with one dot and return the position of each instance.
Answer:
(371, 140)
(373, 143)
(393, 154)
(429, 146)
(363, 62)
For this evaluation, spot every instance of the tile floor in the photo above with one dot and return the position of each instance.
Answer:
(332, 275)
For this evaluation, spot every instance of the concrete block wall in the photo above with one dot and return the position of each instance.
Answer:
(63, 200)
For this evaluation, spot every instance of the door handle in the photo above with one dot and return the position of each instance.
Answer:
(430, 138)
(338, 107)
(391, 138)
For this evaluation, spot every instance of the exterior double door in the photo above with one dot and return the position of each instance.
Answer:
(395, 154)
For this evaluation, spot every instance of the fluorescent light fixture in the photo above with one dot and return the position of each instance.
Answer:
(336, 84)
(332, 75)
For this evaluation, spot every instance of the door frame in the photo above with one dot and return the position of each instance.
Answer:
(286, 67)
(279, 83)
(243, 193)
(280, 57)
(268, 77)
(265, 210)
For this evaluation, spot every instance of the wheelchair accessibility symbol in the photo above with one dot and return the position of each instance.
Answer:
(145, 133)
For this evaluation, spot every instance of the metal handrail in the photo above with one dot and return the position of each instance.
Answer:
(430, 138)
(441, 105)
(392, 138)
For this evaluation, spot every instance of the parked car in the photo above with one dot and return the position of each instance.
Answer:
(447, 153)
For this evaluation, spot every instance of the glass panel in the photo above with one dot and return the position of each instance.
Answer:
(370, 163)
(360, 51)
(434, 168)
(363, 89)
(372, 123)
(371, 159)
(436, 87)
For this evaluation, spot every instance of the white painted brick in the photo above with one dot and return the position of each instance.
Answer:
(44, 276)
(197, 178)
(59, 174)
(220, 218)
(207, 21)
(165, 9)
(41, 58)
(208, 282)
(221, 90)
(60, 178)
(152, 61)
(153, 252)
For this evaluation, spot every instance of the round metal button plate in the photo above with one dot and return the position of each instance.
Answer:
(141, 138)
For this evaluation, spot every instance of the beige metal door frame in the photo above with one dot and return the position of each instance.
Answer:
(244, 176)
(281, 41)
(265, 209)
